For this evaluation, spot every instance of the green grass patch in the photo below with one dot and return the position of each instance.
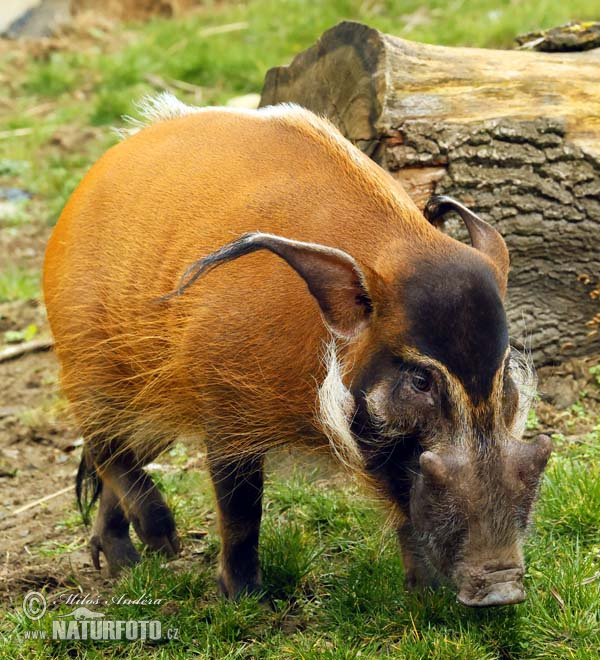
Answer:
(578, 514)
(59, 74)
(18, 284)
(57, 548)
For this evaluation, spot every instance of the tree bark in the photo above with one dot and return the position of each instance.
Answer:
(514, 135)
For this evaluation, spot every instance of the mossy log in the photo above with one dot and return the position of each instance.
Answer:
(515, 135)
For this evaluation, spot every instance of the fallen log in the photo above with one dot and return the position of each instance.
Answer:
(515, 135)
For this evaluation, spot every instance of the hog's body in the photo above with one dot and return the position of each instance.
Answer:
(239, 356)
(242, 351)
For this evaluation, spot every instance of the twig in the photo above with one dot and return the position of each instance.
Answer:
(32, 346)
(32, 505)
(558, 598)
(223, 29)
(165, 83)
(592, 578)
(17, 132)
(196, 533)
(40, 109)
(186, 86)
(207, 32)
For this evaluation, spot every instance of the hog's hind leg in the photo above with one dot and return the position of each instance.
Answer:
(111, 535)
(128, 496)
(141, 502)
(238, 486)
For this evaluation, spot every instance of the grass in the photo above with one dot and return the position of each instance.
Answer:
(17, 283)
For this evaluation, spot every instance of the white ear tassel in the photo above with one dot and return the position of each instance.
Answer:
(164, 106)
(525, 379)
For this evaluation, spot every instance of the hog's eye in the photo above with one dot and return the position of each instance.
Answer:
(421, 381)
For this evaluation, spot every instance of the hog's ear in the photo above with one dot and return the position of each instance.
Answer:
(530, 458)
(483, 236)
(542, 449)
(332, 276)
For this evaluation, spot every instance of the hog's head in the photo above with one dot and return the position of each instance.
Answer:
(435, 402)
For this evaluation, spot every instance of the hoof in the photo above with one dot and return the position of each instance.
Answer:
(156, 529)
(420, 580)
(118, 551)
(233, 589)
(167, 545)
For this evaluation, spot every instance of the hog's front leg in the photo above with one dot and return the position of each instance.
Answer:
(238, 486)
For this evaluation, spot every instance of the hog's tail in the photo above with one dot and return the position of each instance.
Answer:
(88, 486)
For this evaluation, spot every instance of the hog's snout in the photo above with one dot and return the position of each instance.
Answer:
(496, 587)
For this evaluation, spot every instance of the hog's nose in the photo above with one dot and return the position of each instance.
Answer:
(505, 593)
(503, 587)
